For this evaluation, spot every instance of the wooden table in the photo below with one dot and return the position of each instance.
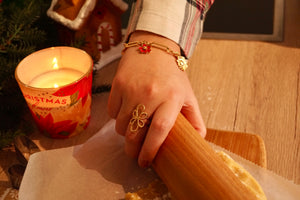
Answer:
(252, 87)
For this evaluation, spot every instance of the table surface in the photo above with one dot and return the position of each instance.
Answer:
(244, 86)
(252, 87)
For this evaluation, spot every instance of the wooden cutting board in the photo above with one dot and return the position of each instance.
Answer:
(247, 145)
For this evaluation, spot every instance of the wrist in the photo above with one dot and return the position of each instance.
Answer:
(152, 37)
(146, 42)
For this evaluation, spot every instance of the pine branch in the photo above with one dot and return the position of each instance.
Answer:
(20, 37)
(21, 33)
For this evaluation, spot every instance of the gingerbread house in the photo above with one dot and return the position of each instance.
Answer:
(96, 22)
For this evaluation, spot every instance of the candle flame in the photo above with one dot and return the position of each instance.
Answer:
(55, 65)
(55, 85)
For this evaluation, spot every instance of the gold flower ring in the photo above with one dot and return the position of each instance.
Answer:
(139, 118)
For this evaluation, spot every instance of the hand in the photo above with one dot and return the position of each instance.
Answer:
(155, 81)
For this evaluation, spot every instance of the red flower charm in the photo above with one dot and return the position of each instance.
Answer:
(145, 48)
(60, 129)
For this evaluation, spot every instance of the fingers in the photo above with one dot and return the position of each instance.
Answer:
(144, 141)
(123, 118)
(162, 121)
(134, 141)
(192, 113)
(136, 130)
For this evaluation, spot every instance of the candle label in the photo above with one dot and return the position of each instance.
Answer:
(36, 100)
(51, 108)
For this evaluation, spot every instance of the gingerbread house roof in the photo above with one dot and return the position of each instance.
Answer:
(73, 13)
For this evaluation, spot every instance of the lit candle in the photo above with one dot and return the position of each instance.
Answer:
(56, 83)
(56, 78)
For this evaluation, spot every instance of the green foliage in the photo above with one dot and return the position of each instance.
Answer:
(79, 43)
(20, 35)
(6, 137)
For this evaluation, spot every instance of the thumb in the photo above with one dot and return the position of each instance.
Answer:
(192, 113)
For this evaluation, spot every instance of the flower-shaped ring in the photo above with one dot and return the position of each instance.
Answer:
(139, 118)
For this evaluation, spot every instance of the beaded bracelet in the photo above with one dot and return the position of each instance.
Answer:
(145, 47)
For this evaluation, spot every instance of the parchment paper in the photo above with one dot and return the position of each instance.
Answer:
(99, 169)
(274, 186)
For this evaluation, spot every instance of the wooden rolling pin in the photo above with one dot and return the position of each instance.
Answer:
(191, 169)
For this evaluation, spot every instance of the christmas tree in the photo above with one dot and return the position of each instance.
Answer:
(23, 30)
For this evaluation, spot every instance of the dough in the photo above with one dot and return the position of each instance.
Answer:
(244, 176)
(158, 191)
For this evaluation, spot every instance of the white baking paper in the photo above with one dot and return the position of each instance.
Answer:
(275, 187)
(99, 169)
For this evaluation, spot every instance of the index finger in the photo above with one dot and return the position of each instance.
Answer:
(162, 121)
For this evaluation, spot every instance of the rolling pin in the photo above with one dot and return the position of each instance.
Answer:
(190, 168)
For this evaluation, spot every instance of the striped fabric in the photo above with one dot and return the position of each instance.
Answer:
(178, 20)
